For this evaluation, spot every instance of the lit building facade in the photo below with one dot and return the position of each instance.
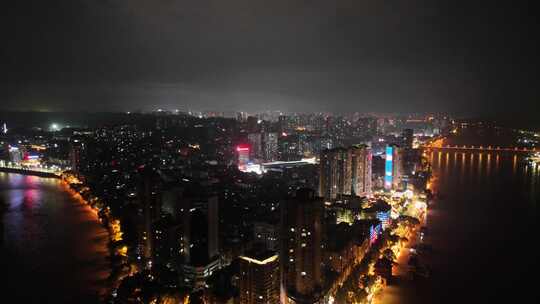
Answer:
(15, 154)
(75, 155)
(243, 155)
(259, 278)
(149, 197)
(301, 250)
(361, 157)
(335, 173)
(408, 138)
(270, 147)
(266, 234)
(345, 172)
(392, 168)
(198, 238)
(255, 142)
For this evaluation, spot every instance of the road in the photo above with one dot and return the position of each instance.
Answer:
(394, 293)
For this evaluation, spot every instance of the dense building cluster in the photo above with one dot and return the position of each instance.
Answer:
(265, 208)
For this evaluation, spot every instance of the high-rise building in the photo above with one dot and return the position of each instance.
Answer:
(15, 154)
(325, 143)
(393, 167)
(241, 116)
(243, 155)
(301, 249)
(306, 145)
(361, 170)
(149, 196)
(198, 236)
(408, 138)
(345, 172)
(266, 234)
(259, 277)
(255, 142)
(410, 156)
(213, 226)
(75, 154)
(252, 124)
(335, 173)
(283, 122)
(289, 148)
(199, 227)
(270, 147)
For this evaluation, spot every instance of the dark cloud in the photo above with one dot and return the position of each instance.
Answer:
(471, 57)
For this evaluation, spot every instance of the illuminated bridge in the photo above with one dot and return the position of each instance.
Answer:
(43, 172)
(482, 148)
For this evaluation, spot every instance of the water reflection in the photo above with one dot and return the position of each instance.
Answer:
(480, 165)
(488, 170)
(471, 166)
(55, 246)
(480, 192)
(462, 168)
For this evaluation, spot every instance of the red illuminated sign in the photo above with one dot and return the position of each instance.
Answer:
(242, 148)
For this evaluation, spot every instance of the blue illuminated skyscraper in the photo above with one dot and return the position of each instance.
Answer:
(392, 167)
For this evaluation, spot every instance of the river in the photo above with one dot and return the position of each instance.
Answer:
(481, 230)
(54, 250)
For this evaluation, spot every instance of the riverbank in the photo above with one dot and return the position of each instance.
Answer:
(488, 210)
(401, 281)
(54, 250)
(29, 172)
(103, 294)
(117, 250)
(119, 265)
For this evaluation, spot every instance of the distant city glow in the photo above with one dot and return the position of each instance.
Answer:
(251, 168)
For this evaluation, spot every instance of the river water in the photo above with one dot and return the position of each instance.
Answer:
(53, 248)
(481, 230)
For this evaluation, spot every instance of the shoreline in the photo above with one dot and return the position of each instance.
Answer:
(98, 291)
(79, 197)
(30, 172)
(117, 250)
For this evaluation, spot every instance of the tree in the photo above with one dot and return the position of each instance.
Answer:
(389, 254)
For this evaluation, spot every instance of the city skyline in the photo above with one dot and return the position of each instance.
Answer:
(269, 152)
(268, 209)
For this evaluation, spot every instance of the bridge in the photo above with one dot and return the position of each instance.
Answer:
(42, 172)
(483, 148)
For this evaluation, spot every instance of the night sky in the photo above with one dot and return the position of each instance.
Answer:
(463, 57)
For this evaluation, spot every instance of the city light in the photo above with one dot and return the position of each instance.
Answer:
(388, 178)
(263, 262)
(282, 152)
(389, 213)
